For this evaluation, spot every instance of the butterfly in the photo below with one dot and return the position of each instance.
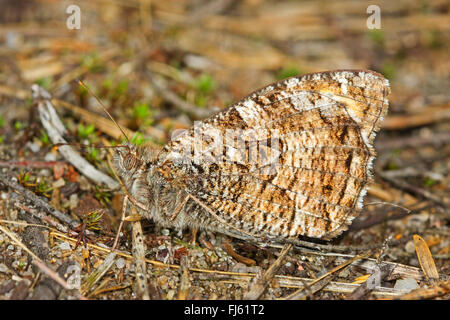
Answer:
(291, 159)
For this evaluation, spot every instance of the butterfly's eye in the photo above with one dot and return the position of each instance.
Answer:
(129, 161)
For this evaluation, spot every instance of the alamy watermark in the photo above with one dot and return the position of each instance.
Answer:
(202, 144)
(74, 276)
(374, 20)
(74, 20)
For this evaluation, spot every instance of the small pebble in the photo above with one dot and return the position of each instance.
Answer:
(50, 157)
(44, 173)
(12, 40)
(84, 183)
(3, 268)
(410, 247)
(64, 246)
(239, 267)
(254, 269)
(73, 201)
(10, 247)
(120, 263)
(58, 183)
(33, 147)
(170, 294)
(406, 284)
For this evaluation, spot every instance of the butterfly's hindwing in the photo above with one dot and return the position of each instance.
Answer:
(290, 159)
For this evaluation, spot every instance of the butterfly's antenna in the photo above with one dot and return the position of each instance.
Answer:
(81, 83)
(81, 146)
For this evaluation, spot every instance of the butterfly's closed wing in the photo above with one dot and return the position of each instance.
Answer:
(290, 159)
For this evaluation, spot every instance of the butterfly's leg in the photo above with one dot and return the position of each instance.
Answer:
(179, 208)
(138, 246)
(194, 236)
(124, 209)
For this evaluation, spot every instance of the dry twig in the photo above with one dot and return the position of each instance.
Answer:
(36, 200)
(323, 280)
(55, 130)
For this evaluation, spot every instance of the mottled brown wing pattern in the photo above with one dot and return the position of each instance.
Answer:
(310, 178)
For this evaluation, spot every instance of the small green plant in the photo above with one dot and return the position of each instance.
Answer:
(92, 62)
(2, 121)
(85, 132)
(142, 113)
(122, 87)
(388, 70)
(24, 177)
(44, 189)
(201, 100)
(28, 101)
(18, 125)
(205, 83)
(107, 84)
(138, 139)
(41, 187)
(429, 182)
(104, 197)
(288, 72)
(44, 138)
(2, 138)
(434, 39)
(93, 219)
(376, 36)
(45, 82)
(93, 154)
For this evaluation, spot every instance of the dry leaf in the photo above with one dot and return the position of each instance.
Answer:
(425, 259)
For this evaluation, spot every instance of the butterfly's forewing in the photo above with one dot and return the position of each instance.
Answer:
(291, 159)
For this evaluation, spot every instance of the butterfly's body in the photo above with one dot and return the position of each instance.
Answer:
(292, 159)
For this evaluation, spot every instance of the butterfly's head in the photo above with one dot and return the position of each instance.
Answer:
(126, 162)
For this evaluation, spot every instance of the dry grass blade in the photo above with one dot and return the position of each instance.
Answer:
(97, 274)
(99, 291)
(259, 284)
(425, 259)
